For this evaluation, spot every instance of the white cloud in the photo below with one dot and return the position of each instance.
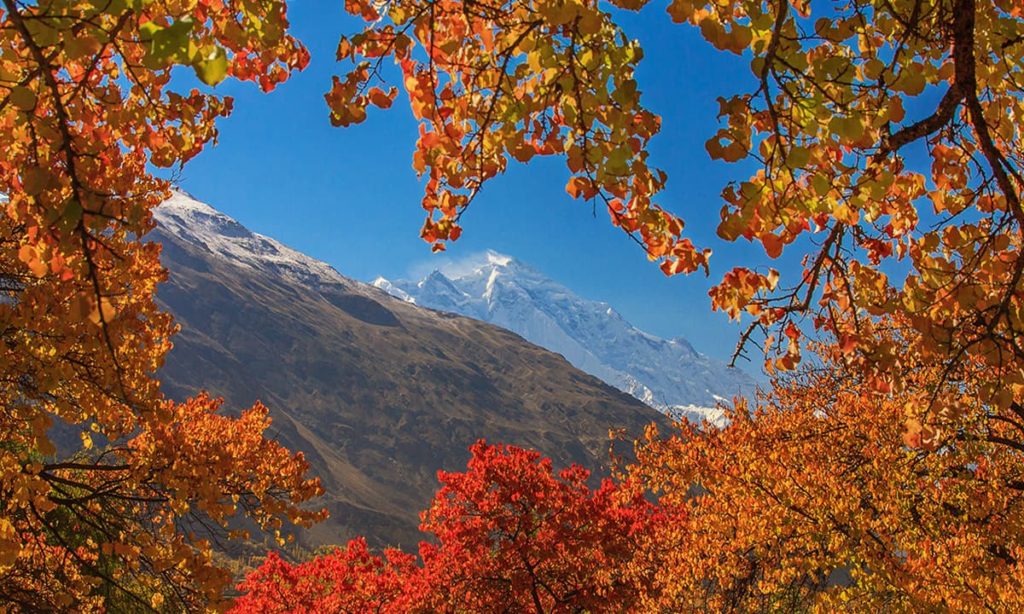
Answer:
(455, 267)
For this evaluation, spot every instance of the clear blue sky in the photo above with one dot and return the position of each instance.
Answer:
(350, 196)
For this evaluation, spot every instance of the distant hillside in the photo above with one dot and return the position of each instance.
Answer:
(667, 374)
(378, 393)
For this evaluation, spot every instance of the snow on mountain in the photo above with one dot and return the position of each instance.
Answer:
(667, 374)
(379, 394)
(393, 290)
(201, 224)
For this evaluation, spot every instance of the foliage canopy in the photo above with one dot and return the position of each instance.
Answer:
(110, 496)
(895, 455)
(909, 423)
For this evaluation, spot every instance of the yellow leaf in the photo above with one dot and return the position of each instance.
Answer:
(104, 311)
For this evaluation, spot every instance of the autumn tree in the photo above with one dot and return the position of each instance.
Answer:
(827, 124)
(820, 498)
(349, 579)
(86, 103)
(887, 147)
(109, 494)
(512, 534)
(508, 534)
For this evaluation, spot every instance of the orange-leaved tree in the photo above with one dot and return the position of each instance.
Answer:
(495, 81)
(513, 534)
(509, 535)
(887, 146)
(827, 124)
(820, 498)
(110, 495)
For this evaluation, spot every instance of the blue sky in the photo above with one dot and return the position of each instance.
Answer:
(350, 196)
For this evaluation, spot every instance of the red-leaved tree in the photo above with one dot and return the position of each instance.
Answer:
(510, 534)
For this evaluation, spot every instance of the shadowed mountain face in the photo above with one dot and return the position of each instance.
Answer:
(378, 393)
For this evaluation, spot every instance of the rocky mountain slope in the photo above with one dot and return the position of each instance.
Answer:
(667, 374)
(379, 393)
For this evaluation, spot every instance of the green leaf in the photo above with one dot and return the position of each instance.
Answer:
(911, 82)
(821, 184)
(43, 33)
(798, 157)
(148, 29)
(170, 44)
(618, 161)
(852, 128)
(70, 217)
(211, 64)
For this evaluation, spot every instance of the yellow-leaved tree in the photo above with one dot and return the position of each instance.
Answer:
(109, 494)
(887, 471)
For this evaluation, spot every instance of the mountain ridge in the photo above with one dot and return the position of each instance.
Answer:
(379, 394)
(667, 374)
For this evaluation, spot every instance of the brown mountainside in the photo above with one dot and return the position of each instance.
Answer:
(379, 394)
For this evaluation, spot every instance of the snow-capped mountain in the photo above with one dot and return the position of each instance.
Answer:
(377, 393)
(667, 374)
(200, 224)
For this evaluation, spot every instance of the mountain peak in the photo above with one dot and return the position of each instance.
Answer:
(486, 259)
(383, 284)
(196, 222)
(498, 259)
(182, 207)
(378, 394)
(437, 275)
(666, 374)
(479, 264)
